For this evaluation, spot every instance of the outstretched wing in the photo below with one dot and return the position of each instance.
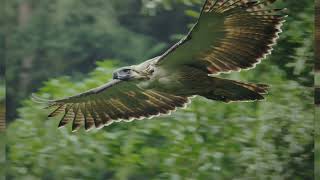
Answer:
(114, 101)
(230, 35)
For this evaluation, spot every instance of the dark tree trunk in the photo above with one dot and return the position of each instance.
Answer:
(25, 11)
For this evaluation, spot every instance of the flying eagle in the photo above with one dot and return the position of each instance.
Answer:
(230, 35)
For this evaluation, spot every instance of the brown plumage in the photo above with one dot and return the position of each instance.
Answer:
(230, 35)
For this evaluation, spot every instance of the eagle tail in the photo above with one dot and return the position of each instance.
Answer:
(232, 91)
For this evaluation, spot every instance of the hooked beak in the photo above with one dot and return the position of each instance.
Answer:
(121, 77)
(133, 75)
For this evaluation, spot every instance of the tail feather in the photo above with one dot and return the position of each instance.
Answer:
(232, 91)
(259, 88)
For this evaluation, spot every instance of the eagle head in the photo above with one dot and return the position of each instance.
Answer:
(130, 73)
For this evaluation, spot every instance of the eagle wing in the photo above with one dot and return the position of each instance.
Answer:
(115, 101)
(230, 35)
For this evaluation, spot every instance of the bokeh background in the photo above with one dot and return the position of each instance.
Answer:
(2, 95)
(58, 48)
(317, 88)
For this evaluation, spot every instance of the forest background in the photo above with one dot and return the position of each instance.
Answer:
(58, 48)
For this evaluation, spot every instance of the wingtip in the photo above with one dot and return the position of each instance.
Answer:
(100, 126)
(61, 125)
(76, 127)
(88, 128)
(38, 99)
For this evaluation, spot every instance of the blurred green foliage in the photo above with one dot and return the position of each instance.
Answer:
(272, 139)
(2, 134)
(2, 101)
(48, 38)
(208, 140)
(2, 91)
(317, 143)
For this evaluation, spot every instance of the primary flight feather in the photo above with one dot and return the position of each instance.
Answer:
(230, 35)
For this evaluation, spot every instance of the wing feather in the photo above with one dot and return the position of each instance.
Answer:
(60, 108)
(230, 35)
(77, 118)
(88, 120)
(97, 118)
(66, 117)
(113, 102)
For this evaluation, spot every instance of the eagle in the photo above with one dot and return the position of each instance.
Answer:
(229, 35)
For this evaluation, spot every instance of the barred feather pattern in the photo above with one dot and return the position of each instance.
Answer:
(230, 35)
(250, 32)
(96, 109)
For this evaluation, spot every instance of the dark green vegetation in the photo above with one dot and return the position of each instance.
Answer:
(2, 128)
(208, 140)
(2, 98)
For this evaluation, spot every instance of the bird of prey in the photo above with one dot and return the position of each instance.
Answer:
(229, 35)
